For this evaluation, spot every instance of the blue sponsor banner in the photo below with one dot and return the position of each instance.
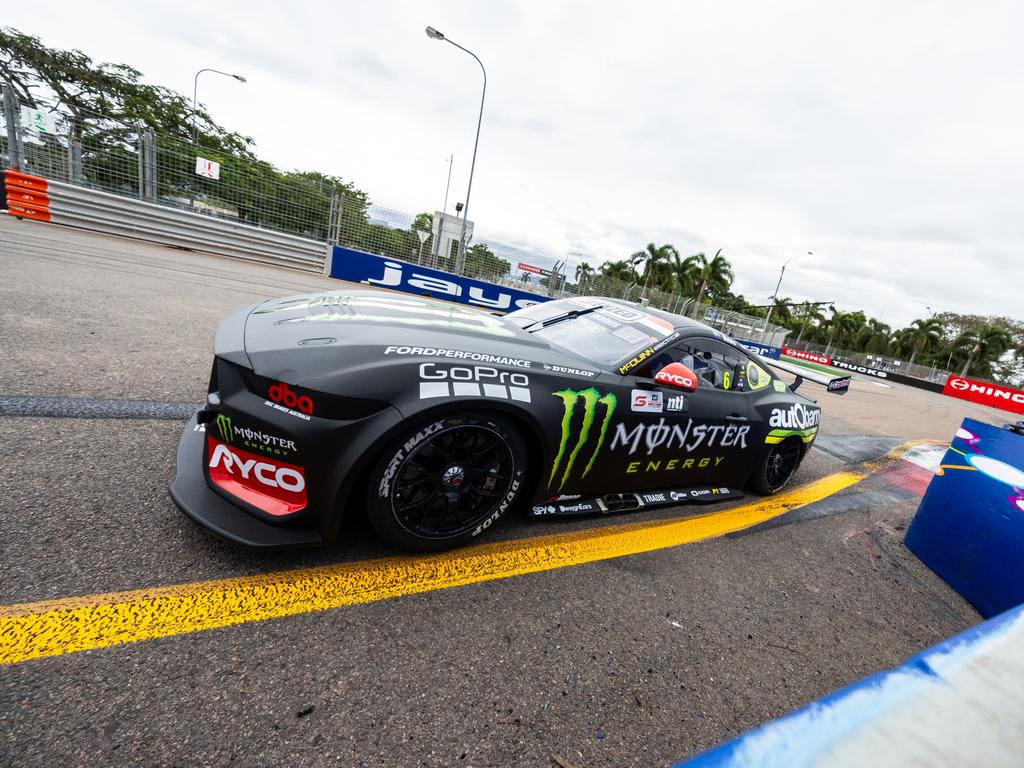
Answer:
(969, 528)
(382, 272)
(762, 349)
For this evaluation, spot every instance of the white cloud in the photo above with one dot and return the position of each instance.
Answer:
(885, 138)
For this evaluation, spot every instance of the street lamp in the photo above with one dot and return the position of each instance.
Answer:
(433, 34)
(775, 296)
(195, 87)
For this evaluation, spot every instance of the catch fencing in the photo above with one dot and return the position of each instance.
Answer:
(216, 200)
(880, 362)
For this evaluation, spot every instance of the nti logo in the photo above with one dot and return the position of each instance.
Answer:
(281, 393)
(590, 399)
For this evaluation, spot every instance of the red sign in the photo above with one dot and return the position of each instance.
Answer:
(273, 486)
(809, 356)
(985, 393)
(530, 268)
(280, 393)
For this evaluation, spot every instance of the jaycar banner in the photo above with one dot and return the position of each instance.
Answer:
(762, 349)
(365, 268)
(809, 356)
(985, 393)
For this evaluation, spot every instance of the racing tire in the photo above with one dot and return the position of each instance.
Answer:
(446, 481)
(778, 467)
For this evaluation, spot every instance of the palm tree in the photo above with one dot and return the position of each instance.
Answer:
(653, 258)
(987, 343)
(921, 335)
(620, 270)
(682, 274)
(583, 274)
(781, 310)
(811, 312)
(872, 337)
(842, 324)
(714, 273)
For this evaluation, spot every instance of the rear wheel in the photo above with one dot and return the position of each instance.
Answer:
(447, 481)
(778, 467)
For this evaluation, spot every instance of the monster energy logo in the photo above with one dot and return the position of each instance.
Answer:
(590, 398)
(224, 427)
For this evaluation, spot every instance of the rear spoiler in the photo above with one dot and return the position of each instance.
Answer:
(837, 385)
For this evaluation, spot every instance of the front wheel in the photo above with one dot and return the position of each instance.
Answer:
(777, 468)
(445, 482)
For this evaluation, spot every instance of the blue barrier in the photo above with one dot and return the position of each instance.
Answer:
(969, 528)
(762, 349)
(366, 268)
(956, 703)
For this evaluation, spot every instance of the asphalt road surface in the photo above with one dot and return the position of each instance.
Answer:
(634, 660)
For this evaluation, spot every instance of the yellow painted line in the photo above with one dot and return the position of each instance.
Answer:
(55, 627)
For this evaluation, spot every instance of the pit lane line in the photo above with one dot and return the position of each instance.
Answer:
(56, 627)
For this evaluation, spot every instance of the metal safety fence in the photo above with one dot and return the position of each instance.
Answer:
(133, 160)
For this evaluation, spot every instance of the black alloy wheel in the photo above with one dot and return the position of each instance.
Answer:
(446, 482)
(779, 466)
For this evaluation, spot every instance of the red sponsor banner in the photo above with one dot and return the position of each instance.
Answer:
(530, 268)
(809, 356)
(983, 392)
(273, 486)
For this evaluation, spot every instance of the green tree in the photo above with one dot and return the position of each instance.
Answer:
(714, 273)
(921, 335)
(620, 270)
(655, 260)
(985, 345)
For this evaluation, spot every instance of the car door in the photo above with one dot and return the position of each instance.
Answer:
(673, 438)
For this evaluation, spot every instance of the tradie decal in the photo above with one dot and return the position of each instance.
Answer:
(590, 398)
(224, 427)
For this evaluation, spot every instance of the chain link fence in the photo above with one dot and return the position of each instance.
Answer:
(133, 160)
(878, 361)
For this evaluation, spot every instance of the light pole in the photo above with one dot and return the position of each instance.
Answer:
(775, 296)
(195, 88)
(461, 260)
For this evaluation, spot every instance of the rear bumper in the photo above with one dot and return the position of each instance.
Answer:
(196, 499)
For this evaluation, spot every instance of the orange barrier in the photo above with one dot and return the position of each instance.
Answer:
(27, 196)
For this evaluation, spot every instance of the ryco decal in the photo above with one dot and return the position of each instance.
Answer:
(272, 486)
(590, 399)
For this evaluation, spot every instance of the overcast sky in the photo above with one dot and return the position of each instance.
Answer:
(887, 138)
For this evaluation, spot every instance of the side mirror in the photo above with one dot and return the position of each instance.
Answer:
(677, 376)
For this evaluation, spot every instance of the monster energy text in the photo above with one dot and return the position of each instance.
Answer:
(590, 398)
(252, 438)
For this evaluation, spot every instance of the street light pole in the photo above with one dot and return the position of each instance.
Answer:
(775, 296)
(461, 260)
(195, 90)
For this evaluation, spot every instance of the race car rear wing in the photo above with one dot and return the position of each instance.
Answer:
(837, 385)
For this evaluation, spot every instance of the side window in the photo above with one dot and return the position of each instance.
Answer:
(717, 365)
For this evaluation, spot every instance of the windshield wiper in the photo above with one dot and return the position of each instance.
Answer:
(570, 315)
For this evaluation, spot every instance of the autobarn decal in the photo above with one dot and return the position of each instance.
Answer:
(797, 420)
(595, 410)
(442, 380)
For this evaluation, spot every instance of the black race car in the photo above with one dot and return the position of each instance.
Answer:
(436, 419)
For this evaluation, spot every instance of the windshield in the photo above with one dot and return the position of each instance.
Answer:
(607, 333)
